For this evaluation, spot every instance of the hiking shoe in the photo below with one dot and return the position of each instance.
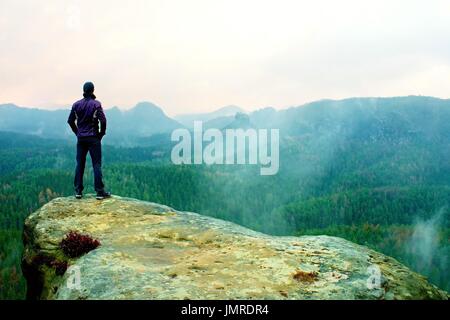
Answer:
(102, 195)
(78, 195)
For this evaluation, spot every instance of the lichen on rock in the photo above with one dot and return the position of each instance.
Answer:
(151, 251)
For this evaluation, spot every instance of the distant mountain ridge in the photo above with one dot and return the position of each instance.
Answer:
(225, 114)
(366, 116)
(143, 120)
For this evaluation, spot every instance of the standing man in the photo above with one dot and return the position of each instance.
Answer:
(84, 120)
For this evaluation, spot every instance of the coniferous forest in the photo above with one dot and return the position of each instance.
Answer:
(384, 184)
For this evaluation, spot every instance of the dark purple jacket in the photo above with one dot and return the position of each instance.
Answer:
(88, 113)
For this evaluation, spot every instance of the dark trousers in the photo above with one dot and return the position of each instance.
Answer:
(92, 145)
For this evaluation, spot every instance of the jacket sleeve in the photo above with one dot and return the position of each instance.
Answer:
(71, 120)
(102, 118)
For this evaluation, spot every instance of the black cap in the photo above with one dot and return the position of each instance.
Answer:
(88, 88)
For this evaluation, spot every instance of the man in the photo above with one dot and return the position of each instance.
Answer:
(87, 113)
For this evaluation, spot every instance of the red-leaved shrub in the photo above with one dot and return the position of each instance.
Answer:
(76, 244)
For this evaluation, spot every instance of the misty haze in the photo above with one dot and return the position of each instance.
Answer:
(372, 170)
(346, 109)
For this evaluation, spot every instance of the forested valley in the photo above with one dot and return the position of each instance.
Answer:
(386, 186)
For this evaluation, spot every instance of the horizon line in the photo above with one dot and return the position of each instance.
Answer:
(280, 108)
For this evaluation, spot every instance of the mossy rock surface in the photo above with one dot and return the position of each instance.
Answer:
(151, 251)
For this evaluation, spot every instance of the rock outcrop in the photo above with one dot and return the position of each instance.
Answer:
(150, 251)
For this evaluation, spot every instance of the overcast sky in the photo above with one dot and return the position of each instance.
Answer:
(199, 55)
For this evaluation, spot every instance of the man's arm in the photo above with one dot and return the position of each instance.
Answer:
(71, 120)
(102, 118)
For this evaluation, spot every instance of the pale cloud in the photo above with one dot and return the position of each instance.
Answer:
(202, 54)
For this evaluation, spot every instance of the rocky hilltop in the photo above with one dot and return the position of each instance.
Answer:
(150, 251)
